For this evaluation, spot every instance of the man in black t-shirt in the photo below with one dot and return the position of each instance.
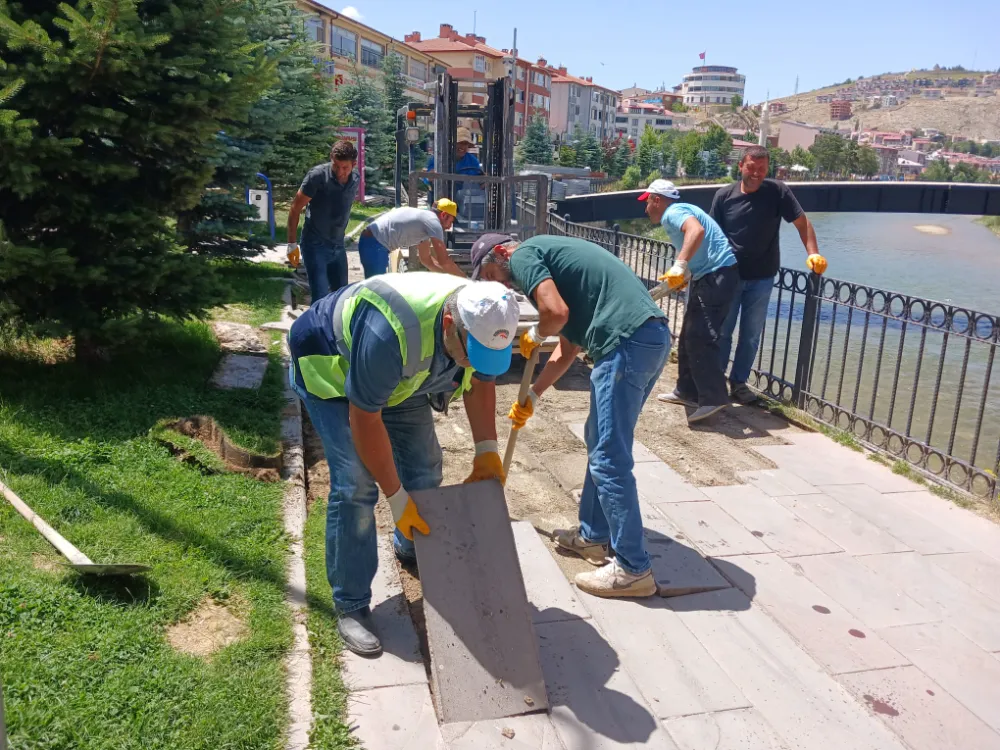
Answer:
(750, 213)
(327, 194)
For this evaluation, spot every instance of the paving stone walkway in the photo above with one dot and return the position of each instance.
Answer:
(828, 603)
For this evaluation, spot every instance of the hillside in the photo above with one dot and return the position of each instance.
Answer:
(955, 114)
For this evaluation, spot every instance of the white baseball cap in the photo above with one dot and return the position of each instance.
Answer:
(489, 311)
(661, 187)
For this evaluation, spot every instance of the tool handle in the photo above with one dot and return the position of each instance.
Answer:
(54, 538)
(522, 397)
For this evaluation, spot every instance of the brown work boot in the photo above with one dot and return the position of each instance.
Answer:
(570, 540)
(613, 580)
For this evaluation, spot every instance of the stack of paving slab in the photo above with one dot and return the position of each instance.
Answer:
(827, 603)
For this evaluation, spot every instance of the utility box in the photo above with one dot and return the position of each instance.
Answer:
(258, 199)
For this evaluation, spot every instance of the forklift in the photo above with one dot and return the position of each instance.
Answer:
(486, 203)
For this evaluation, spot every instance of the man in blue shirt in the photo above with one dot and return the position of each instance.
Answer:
(466, 162)
(369, 363)
(706, 261)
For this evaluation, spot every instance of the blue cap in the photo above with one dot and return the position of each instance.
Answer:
(489, 361)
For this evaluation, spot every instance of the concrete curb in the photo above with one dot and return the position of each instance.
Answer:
(298, 663)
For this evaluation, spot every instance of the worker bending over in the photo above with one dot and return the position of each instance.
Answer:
(410, 227)
(592, 300)
(705, 259)
(368, 362)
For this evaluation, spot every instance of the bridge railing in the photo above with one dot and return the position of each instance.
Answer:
(911, 377)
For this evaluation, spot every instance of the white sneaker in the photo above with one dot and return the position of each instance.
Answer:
(571, 541)
(676, 398)
(613, 580)
(704, 412)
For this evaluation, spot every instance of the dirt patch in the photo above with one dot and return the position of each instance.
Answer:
(265, 468)
(210, 627)
(45, 563)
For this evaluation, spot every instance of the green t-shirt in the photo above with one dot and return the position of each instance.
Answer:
(606, 300)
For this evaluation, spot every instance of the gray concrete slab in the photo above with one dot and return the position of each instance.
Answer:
(873, 600)
(678, 568)
(955, 663)
(595, 704)
(745, 729)
(672, 670)
(550, 595)
(893, 517)
(713, 531)
(394, 718)
(819, 461)
(239, 338)
(534, 732)
(240, 371)
(839, 523)
(778, 482)
(569, 469)
(484, 654)
(982, 533)
(658, 483)
(401, 662)
(975, 569)
(803, 704)
(919, 710)
(974, 615)
(830, 634)
(640, 453)
(780, 529)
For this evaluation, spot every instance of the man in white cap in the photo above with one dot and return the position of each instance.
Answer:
(369, 362)
(406, 227)
(706, 261)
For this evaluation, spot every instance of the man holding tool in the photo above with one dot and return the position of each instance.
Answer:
(410, 227)
(368, 361)
(704, 259)
(750, 213)
(592, 300)
(327, 194)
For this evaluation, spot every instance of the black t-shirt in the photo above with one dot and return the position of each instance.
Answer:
(752, 223)
(330, 208)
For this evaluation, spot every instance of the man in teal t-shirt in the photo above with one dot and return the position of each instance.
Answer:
(592, 301)
(705, 258)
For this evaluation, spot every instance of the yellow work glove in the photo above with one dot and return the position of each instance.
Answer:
(816, 263)
(530, 340)
(521, 413)
(487, 463)
(405, 514)
(677, 276)
(293, 254)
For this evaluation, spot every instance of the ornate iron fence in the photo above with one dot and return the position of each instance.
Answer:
(911, 377)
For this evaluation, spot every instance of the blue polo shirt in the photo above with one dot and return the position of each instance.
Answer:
(468, 164)
(713, 253)
(376, 366)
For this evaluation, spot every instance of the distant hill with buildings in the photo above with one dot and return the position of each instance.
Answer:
(963, 103)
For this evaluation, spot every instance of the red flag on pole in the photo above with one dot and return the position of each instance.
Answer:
(701, 55)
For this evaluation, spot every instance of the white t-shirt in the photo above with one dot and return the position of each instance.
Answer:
(405, 227)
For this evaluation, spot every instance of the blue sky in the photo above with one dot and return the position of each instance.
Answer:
(647, 43)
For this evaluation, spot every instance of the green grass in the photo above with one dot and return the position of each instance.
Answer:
(359, 214)
(85, 663)
(794, 415)
(990, 222)
(329, 695)
(254, 298)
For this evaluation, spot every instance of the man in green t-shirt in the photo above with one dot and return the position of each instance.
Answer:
(593, 301)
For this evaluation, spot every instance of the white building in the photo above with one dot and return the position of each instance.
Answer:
(712, 84)
(633, 117)
(579, 102)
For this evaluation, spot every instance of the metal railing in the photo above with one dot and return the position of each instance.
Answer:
(911, 377)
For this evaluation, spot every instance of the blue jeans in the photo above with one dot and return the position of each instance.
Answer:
(326, 267)
(620, 383)
(374, 256)
(750, 305)
(351, 537)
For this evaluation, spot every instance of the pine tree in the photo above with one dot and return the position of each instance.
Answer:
(567, 156)
(536, 146)
(647, 155)
(623, 159)
(123, 100)
(363, 106)
(588, 150)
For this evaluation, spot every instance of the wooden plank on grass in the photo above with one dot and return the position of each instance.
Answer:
(484, 654)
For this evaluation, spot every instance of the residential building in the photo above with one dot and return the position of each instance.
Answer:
(991, 80)
(777, 108)
(633, 116)
(634, 92)
(803, 134)
(840, 110)
(824, 98)
(712, 84)
(913, 155)
(662, 97)
(888, 159)
(579, 102)
(469, 56)
(983, 91)
(923, 144)
(348, 46)
(933, 94)
(890, 100)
